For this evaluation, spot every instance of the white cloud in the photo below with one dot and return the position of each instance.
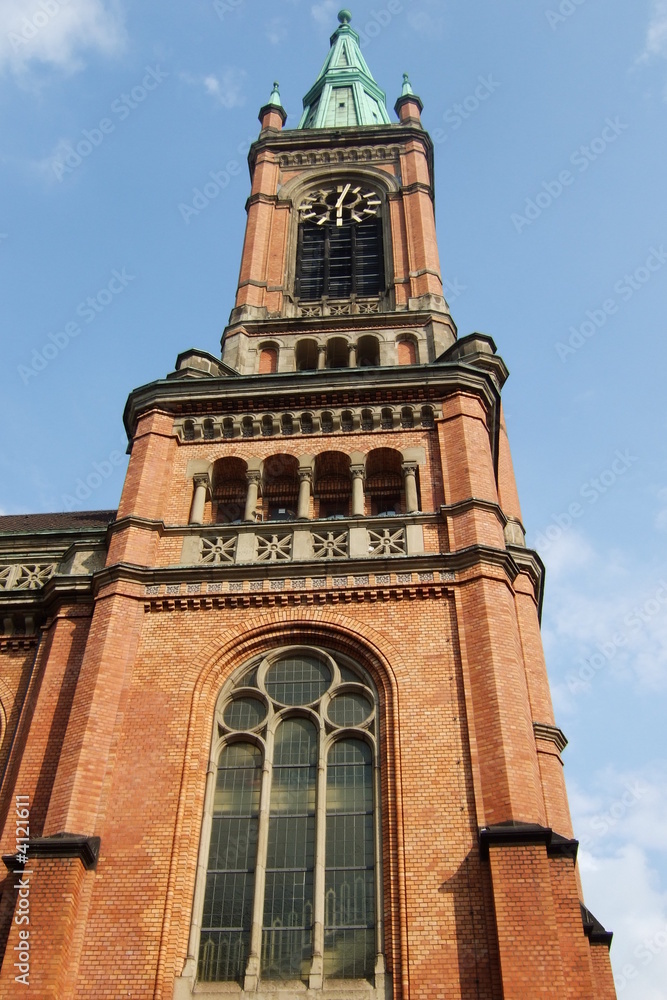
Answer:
(570, 550)
(226, 88)
(604, 617)
(623, 892)
(58, 32)
(325, 13)
(656, 35)
(620, 824)
(427, 16)
(276, 30)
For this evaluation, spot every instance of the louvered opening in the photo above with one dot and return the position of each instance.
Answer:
(340, 261)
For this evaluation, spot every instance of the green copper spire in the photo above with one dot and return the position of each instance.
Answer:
(407, 88)
(345, 93)
(275, 95)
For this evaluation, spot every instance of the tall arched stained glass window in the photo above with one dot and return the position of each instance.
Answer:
(293, 876)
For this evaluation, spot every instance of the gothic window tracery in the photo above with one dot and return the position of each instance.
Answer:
(292, 876)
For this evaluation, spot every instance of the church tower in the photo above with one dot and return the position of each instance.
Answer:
(281, 724)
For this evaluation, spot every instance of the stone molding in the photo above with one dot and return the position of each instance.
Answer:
(60, 845)
(552, 734)
(517, 834)
(194, 429)
(593, 929)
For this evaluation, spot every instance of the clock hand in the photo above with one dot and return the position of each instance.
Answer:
(340, 201)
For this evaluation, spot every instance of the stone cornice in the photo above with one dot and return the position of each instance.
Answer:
(552, 734)
(291, 141)
(517, 834)
(529, 562)
(60, 845)
(593, 929)
(270, 391)
(449, 565)
(278, 326)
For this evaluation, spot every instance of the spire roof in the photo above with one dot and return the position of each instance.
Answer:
(345, 93)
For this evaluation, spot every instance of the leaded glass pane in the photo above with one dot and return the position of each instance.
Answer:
(350, 852)
(244, 713)
(237, 789)
(249, 679)
(228, 900)
(291, 842)
(230, 879)
(233, 842)
(297, 680)
(349, 709)
(348, 954)
(222, 955)
(349, 841)
(288, 900)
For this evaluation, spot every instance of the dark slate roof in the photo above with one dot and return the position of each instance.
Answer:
(80, 520)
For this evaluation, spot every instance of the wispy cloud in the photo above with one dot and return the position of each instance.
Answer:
(276, 30)
(619, 820)
(58, 33)
(427, 16)
(225, 88)
(605, 616)
(325, 12)
(656, 35)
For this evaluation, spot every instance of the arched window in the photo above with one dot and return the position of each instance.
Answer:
(338, 355)
(384, 481)
(306, 355)
(340, 247)
(368, 352)
(280, 488)
(230, 486)
(293, 877)
(333, 484)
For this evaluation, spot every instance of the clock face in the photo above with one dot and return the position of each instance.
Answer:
(347, 202)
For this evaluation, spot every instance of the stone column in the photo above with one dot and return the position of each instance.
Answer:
(253, 479)
(358, 505)
(410, 477)
(352, 351)
(321, 356)
(305, 483)
(201, 488)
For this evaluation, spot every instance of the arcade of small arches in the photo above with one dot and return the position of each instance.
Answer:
(285, 487)
(317, 353)
(329, 421)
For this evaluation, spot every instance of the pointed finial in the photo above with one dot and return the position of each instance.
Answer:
(275, 95)
(407, 88)
(345, 16)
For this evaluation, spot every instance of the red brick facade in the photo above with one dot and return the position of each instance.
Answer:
(108, 710)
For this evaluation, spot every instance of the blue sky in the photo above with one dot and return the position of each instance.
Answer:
(550, 123)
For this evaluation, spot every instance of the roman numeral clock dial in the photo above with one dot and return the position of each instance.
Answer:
(340, 205)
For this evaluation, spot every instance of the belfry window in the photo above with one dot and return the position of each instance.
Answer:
(339, 262)
(292, 875)
(340, 247)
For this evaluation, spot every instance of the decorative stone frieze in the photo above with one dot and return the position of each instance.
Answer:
(387, 542)
(331, 544)
(364, 419)
(217, 551)
(26, 576)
